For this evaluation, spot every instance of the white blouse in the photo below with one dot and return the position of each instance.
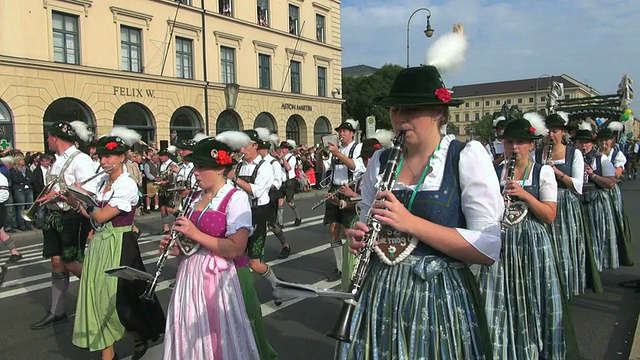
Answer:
(619, 161)
(482, 202)
(548, 185)
(238, 209)
(607, 166)
(577, 169)
(123, 194)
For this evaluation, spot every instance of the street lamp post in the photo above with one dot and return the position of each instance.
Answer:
(428, 31)
(535, 99)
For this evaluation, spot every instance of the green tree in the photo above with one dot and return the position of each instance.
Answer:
(483, 128)
(358, 92)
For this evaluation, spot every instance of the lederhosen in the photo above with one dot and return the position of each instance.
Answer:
(274, 196)
(332, 212)
(259, 214)
(165, 197)
(289, 185)
(65, 232)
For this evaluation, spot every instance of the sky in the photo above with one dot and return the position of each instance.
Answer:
(593, 41)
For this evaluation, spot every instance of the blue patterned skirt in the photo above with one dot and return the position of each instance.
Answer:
(522, 296)
(567, 238)
(423, 308)
(603, 229)
(623, 229)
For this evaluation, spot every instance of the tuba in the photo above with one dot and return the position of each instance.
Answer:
(514, 210)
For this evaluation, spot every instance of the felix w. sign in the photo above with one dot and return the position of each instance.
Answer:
(132, 92)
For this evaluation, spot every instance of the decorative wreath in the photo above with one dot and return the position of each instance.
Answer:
(221, 156)
(376, 146)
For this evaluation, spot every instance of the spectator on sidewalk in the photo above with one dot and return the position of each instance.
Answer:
(4, 237)
(21, 188)
(40, 174)
(6, 164)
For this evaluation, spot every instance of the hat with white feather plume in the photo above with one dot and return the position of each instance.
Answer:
(348, 124)
(118, 141)
(607, 132)
(423, 85)
(234, 139)
(557, 120)
(287, 144)
(264, 135)
(200, 136)
(584, 132)
(71, 132)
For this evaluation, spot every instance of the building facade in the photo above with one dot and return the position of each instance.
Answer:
(528, 94)
(169, 69)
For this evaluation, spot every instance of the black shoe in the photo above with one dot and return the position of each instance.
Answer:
(49, 319)
(285, 252)
(297, 222)
(3, 272)
(14, 258)
(139, 349)
(335, 276)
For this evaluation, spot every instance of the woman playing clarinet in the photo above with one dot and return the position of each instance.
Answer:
(207, 318)
(109, 307)
(442, 213)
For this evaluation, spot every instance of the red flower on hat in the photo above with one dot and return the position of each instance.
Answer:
(376, 146)
(111, 145)
(532, 130)
(443, 95)
(223, 158)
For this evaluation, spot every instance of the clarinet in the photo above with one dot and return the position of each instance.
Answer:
(587, 186)
(341, 330)
(549, 153)
(511, 170)
(164, 256)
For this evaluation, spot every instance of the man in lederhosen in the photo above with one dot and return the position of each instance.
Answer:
(275, 191)
(346, 164)
(255, 177)
(289, 181)
(65, 230)
(164, 198)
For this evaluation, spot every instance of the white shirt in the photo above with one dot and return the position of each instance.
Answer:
(123, 194)
(481, 200)
(548, 190)
(577, 169)
(607, 166)
(262, 183)
(498, 147)
(277, 171)
(80, 169)
(619, 161)
(238, 209)
(186, 169)
(165, 165)
(291, 174)
(341, 171)
(4, 193)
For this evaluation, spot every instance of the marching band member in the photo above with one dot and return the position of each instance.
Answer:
(598, 211)
(275, 191)
(346, 164)
(65, 231)
(567, 231)
(618, 159)
(206, 317)
(108, 307)
(164, 198)
(522, 293)
(455, 223)
(289, 181)
(496, 146)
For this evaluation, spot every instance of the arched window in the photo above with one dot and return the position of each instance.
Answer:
(67, 109)
(185, 123)
(136, 117)
(266, 120)
(320, 128)
(227, 120)
(6, 126)
(293, 128)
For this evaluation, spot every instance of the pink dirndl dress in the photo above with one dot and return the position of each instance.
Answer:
(206, 317)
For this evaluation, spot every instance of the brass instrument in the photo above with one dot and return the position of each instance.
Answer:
(336, 192)
(514, 211)
(341, 330)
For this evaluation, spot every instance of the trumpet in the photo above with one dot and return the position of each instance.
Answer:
(336, 192)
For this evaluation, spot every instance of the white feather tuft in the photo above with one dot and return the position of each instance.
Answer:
(172, 149)
(274, 139)
(447, 53)
(537, 121)
(497, 120)
(263, 133)
(616, 126)
(82, 130)
(292, 143)
(200, 136)
(129, 136)
(235, 139)
(385, 137)
(585, 125)
(564, 116)
(352, 122)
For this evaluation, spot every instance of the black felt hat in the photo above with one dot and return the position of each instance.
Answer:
(584, 135)
(186, 144)
(254, 137)
(605, 134)
(63, 130)
(556, 121)
(211, 153)
(111, 145)
(421, 85)
(520, 129)
(285, 145)
(369, 146)
(348, 124)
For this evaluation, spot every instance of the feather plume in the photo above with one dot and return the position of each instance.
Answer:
(235, 139)
(537, 121)
(447, 53)
(498, 119)
(564, 116)
(274, 139)
(129, 136)
(82, 130)
(292, 143)
(616, 126)
(263, 133)
(172, 149)
(200, 136)
(585, 125)
(385, 137)
(353, 123)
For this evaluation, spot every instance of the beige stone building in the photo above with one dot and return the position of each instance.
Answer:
(528, 94)
(169, 68)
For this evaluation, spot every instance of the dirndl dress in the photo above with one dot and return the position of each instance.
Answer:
(601, 225)
(206, 316)
(623, 230)
(108, 306)
(522, 293)
(427, 306)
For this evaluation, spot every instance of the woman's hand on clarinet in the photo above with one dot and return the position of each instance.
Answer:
(185, 227)
(392, 212)
(164, 242)
(513, 188)
(356, 235)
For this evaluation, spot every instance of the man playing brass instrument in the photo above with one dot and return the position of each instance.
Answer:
(65, 231)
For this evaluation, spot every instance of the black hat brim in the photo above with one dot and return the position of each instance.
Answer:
(520, 135)
(207, 161)
(413, 100)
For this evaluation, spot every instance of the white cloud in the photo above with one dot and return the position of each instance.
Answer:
(594, 41)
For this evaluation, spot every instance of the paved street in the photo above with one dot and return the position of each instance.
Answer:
(605, 323)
